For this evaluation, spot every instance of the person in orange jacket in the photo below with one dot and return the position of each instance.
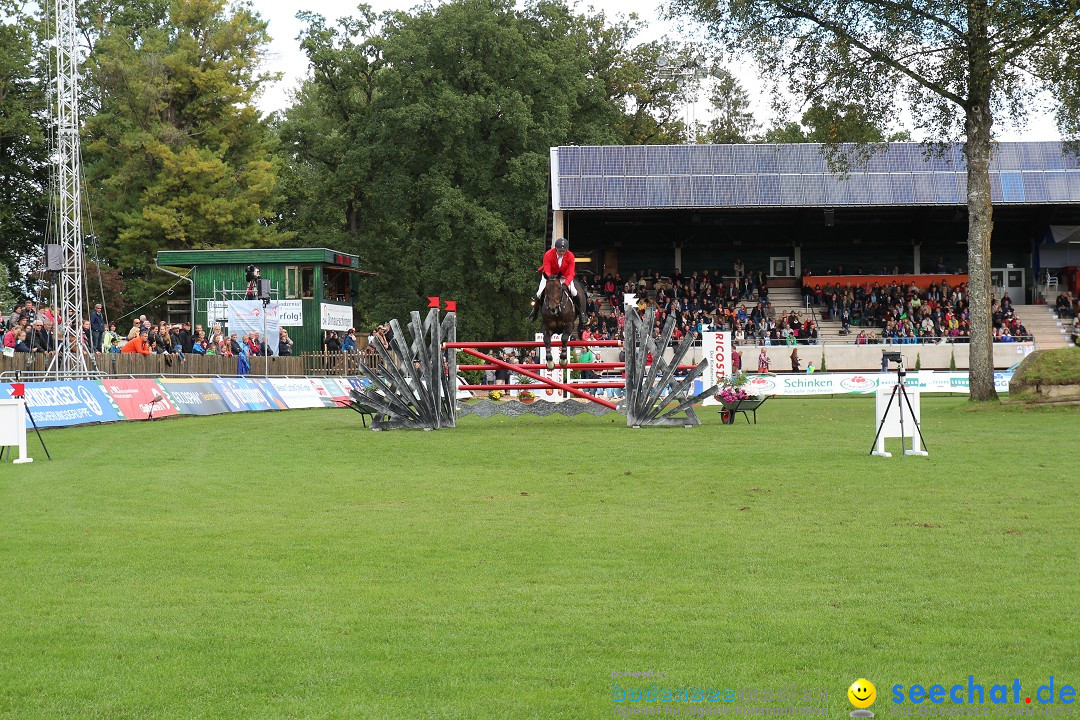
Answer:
(138, 344)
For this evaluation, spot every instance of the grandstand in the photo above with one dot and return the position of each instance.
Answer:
(783, 209)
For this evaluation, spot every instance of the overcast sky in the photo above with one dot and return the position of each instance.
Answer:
(285, 55)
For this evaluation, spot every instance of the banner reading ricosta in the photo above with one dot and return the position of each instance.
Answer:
(717, 349)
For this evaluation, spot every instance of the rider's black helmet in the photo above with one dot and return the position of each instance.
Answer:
(561, 244)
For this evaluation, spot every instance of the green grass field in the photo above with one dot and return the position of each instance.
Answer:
(295, 565)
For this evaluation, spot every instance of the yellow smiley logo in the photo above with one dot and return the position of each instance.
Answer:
(862, 693)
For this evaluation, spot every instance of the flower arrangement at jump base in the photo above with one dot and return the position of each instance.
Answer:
(496, 394)
(525, 396)
(731, 391)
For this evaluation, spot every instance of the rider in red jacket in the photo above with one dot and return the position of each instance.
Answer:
(557, 261)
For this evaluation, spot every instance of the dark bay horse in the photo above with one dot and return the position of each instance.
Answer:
(557, 316)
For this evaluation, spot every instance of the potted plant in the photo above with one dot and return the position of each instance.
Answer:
(526, 397)
(496, 395)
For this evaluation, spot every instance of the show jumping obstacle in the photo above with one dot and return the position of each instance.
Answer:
(418, 387)
(414, 392)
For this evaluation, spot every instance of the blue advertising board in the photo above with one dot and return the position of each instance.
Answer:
(266, 385)
(71, 402)
(242, 394)
(195, 397)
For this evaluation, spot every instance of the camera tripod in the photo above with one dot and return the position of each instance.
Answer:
(899, 391)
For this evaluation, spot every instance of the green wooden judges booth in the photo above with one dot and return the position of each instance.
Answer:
(316, 287)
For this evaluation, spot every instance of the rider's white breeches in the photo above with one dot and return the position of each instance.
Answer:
(543, 284)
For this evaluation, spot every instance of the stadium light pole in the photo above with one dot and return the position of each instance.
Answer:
(689, 75)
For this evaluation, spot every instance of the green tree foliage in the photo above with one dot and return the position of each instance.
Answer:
(177, 156)
(832, 123)
(958, 66)
(425, 148)
(24, 170)
(327, 135)
(732, 120)
(7, 297)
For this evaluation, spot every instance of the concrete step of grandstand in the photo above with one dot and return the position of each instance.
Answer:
(784, 300)
(1049, 330)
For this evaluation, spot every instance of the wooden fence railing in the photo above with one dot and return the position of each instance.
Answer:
(337, 363)
(130, 364)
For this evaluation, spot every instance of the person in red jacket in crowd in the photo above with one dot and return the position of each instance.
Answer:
(559, 261)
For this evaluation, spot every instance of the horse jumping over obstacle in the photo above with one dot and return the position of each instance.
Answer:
(418, 388)
(558, 316)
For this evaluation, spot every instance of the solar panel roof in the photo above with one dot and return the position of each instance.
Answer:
(798, 175)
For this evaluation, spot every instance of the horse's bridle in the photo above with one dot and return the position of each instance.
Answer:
(562, 296)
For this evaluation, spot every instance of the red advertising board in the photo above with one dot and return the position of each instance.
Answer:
(139, 399)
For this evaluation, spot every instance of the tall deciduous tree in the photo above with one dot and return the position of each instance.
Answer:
(425, 147)
(326, 136)
(958, 64)
(24, 169)
(177, 155)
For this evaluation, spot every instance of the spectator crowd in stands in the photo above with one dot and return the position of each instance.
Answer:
(908, 315)
(890, 313)
(30, 328)
(699, 302)
(740, 303)
(1068, 308)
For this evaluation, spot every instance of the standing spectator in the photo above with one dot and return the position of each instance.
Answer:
(586, 356)
(166, 342)
(763, 361)
(45, 314)
(349, 344)
(243, 366)
(183, 338)
(256, 347)
(332, 342)
(87, 336)
(285, 343)
(97, 327)
(40, 341)
(107, 337)
(795, 361)
(20, 342)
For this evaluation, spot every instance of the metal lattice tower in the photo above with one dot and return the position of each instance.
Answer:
(72, 361)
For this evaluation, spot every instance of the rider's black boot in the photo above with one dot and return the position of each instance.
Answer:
(535, 311)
